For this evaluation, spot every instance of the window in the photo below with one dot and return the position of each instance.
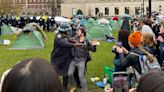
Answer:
(147, 10)
(30, 1)
(127, 10)
(106, 11)
(20, 1)
(116, 11)
(137, 10)
(73, 11)
(96, 11)
(160, 8)
(23, 1)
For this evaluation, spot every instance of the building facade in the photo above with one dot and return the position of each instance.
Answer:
(34, 7)
(109, 7)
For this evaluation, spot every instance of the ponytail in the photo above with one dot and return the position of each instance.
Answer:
(150, 57)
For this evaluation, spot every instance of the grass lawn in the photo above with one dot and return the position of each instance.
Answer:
(103, 57)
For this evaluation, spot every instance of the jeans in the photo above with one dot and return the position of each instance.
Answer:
(81, 71)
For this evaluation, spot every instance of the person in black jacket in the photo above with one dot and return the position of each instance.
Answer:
(61, 55)
(74, 30)
(80, 58)
(130, 59)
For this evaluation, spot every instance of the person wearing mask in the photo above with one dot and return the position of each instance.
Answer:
(80, 59)
(61, 55)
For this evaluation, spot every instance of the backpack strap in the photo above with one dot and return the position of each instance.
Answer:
(138, 76)
(143, 64)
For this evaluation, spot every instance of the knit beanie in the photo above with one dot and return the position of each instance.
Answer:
(135, 38)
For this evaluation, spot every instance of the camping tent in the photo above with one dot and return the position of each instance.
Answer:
(5, 30)
(99, 32)
(103, 21)
(114, 24)
(30, 39)
(90, 23)
(62, 19)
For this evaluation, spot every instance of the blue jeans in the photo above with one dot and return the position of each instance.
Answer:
(81, 70)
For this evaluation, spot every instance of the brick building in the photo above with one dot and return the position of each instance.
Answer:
(33, 7)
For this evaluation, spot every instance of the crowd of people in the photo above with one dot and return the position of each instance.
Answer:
(70, 55)
(47, 22)
(141, 51)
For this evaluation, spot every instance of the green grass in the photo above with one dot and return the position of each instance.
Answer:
(103, 57)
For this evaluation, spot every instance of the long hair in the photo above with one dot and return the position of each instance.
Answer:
(150, 57)
(32, 75)
(125, 25)
(123, 37)
(148, 39)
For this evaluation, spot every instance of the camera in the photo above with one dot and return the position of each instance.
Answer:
(119, 44)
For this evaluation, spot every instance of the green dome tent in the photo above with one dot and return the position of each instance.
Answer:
(115, 24)
(31, 39)
(90, 23)
(5, 30)
(99, 32)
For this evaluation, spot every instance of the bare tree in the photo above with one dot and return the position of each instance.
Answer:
(5, 6)
(8, 6)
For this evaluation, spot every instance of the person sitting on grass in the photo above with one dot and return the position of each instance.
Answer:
(32, 75)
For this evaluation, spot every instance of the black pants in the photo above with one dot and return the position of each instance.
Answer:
(65, 82)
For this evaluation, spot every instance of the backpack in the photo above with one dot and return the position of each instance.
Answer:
(146, 65)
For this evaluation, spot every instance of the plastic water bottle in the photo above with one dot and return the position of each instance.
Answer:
(107, 88)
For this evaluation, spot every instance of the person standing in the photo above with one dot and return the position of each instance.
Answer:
(80, 58)
(0, 25)
(126, 25)
(61, 55)
(161, 43)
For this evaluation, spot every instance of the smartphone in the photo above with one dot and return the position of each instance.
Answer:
(119, 43)
(120, 82)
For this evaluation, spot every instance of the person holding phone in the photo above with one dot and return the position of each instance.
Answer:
(120, 82)
(122, 43)
(151, 82)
